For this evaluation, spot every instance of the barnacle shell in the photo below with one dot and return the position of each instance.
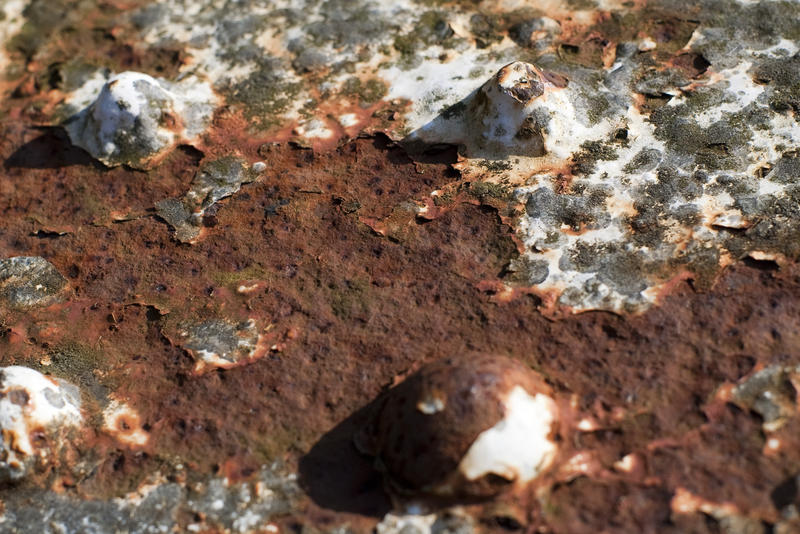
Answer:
(136, 119)
(35, 412)
(463, 426)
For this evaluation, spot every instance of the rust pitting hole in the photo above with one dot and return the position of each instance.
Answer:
(729, 229)
(785, 493)
(655, 101)
(761, 265)
(692, 63)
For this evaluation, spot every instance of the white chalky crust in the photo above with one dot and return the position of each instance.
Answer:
(122, 422)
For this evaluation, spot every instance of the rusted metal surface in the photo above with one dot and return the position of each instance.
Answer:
(331, 195)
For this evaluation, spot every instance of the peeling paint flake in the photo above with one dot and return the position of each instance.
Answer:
(221, 344)
(30, 281)
(213, 182)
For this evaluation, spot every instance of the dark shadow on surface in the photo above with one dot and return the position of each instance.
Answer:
(442, 138)
(460, 130)
(338, 477)
(437, 153)
(401, 153)
(51, 150)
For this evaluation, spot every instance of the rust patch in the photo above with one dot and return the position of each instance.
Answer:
(353, 310)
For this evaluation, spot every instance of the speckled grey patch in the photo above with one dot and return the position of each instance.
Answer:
(239, 508)
(29, 281)
(770, 393)
(54, 398)
(220, 339)
(213, 182)
(701, 180)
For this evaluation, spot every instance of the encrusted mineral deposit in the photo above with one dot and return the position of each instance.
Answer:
(217, 505)
(520, 111)
(214, 181)
(217, 343)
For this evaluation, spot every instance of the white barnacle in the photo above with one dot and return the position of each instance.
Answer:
(136, 119)
(31, 405)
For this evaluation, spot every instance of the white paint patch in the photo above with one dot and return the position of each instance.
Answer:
(587, 425)
(348, 120)
(314, 129)
(431, 405)
(627, 463)
(686, 502)
(406, 524)
(742, 91)
(518, 447)
(244, 289)
(433, 86)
